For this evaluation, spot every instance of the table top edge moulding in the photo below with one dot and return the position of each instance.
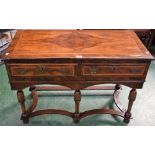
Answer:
(76, 60)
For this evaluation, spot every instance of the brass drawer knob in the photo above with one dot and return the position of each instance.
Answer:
(21, 71)
(114, 68)
(94, 70)
(42, 69)
(133, 70)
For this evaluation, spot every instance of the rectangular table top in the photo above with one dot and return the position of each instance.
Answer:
(104, 44)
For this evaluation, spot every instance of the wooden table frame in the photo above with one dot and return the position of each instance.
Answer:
(77, 115)
(76, 60)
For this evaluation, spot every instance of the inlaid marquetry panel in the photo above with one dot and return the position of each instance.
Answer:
(43, 70)
(113, 70)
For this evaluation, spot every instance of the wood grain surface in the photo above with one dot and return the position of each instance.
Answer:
(115, 44)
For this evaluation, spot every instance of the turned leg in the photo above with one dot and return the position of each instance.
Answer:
(77, 99)
(132, 98)
(21, 100)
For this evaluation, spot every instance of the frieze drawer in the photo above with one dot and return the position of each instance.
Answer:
(114, 70)
(54, 70)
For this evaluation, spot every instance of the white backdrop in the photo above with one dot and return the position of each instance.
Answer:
(77, 14)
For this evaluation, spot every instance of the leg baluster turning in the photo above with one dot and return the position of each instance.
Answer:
(77, 99)
(21, 100)
(132, 98)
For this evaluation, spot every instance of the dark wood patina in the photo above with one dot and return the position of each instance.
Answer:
(76, 60)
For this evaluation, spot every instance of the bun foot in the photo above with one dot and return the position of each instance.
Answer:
(126, 120)
(76, 118)
(76, 121)
(127, 117)
(25, 120)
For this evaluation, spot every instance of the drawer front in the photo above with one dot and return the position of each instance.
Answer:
(45, 70)
(113, 70)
